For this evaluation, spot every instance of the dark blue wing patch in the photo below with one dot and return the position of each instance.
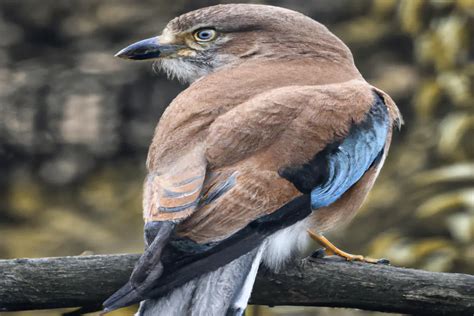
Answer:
(340, 165)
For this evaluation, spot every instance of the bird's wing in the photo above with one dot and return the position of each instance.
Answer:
(316, 140)
(172, 192)
(270, 162)
(345, 161)
(323, 140)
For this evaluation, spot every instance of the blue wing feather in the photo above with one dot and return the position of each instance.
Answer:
(347, 163)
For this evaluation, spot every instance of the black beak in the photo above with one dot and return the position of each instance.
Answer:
(147, 49)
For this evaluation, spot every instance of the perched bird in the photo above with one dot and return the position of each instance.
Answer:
(277, 139)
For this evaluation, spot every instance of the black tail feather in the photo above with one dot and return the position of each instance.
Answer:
(212, 293)
(179, 271)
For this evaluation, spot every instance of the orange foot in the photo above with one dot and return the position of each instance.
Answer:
(330, 250)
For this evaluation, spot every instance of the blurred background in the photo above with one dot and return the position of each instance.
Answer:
(75, 124)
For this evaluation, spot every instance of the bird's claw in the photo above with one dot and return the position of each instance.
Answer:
(319, 253)
(383, 261)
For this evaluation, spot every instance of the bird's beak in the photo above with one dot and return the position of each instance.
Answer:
(148, 49)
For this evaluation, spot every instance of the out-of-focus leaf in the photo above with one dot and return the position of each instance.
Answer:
(457, 86)
(461, 226)
(452, 131)
(25, 197)
(451, 173)
(447, 202)
(452, 41)
(384, 8)
(363, 30)
(466, 6)
(410, 15)
(427, 98)
(382, 242)
(440, 260)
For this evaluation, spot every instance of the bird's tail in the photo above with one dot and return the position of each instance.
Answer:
(223, 292)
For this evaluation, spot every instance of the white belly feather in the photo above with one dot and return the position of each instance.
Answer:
(286, 244)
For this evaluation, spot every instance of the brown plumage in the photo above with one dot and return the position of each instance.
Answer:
(284, 127)
(271, 90)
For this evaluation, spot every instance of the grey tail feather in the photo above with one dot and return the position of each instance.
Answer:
(224, 292)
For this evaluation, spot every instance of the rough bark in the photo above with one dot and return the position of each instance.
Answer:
(87, 280)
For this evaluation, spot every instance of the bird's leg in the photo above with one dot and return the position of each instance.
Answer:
(330, 249)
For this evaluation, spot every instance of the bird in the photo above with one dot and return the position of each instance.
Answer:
(277, 140)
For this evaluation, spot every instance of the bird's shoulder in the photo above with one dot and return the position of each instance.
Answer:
(296, 121)
(187, 119)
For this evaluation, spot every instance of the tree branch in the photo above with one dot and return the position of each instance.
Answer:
(88, 280)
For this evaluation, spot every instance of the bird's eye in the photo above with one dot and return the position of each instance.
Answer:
(205, 35)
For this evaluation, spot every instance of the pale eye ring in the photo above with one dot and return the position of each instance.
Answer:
(204, 35)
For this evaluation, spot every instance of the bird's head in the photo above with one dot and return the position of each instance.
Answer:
(203, 41)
